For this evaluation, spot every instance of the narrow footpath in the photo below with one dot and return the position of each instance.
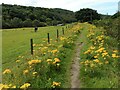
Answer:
(75, 68)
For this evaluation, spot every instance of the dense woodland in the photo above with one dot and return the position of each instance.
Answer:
(23, 16)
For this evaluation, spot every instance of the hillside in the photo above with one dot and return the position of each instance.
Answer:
(15, 16)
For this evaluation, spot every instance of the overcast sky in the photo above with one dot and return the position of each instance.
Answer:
(102, 6)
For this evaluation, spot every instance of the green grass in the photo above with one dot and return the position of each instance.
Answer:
(16, 42)
(16, 46)
(102, 77)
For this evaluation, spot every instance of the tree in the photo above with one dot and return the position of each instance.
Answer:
(27, 23)
(49, 21)
(42, 24)
(116, 15)
(32, 16)
(36, 22)
(16, 16)
(5, 24)
(87, 15)
(16, 22)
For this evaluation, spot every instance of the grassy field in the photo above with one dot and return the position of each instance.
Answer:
(54, 58)
(16, 42)
(50, 65)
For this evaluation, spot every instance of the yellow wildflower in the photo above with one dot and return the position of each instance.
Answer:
(114, 56)
(4, 86)
(44, 49)
(58, 64)
(100, 50)
(92, 47)
(88, 51)
(86, 61)
(115, 51)
(96, 56)
(104, 51)
(92, 65)
(34, 45)
(104, 54)
(26, 85)
(54, 63)
(17, 61)
(106, 62)
(49, 60)
(96, 60)
(25, 71)
(56, 84)
(34, 62)
(57, 60)
(34, 73)
(102, 41)
(62, 38)
(54, 51)
(11, 86)
(100, 63)
(7, 71)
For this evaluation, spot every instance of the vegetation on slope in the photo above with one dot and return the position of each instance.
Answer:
(15, 16)
(99, 59)
(87, 15)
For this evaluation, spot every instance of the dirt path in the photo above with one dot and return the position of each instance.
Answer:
(75, 68)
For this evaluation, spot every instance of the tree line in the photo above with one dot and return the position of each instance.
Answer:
(16, 16)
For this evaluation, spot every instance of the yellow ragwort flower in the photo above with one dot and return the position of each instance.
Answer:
(87, 61)
(4, 86)
(106, 62)
(7, 71)
(88, 51)
(114, 56)
(115, 51)
(34, 73)
(96, 56)
(100, 50)
(25, 71)
(104, 54)
(26, 85)
(57, 60)
(92, 47)
(54, 51)
(56, 83)
(49, 60)
(17, 61)
(34, 62)
(96, 60)
(92, 65)
(62, 38)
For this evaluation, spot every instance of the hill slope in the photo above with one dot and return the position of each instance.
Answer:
(26, 16)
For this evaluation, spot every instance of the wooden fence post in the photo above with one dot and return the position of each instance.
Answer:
(57, 34)
(48, 38)
(31, 43)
